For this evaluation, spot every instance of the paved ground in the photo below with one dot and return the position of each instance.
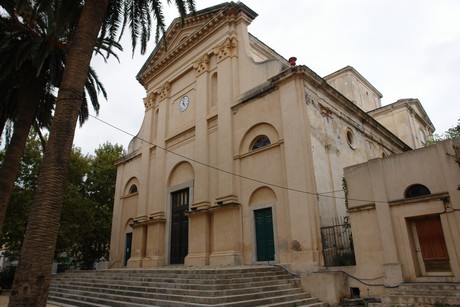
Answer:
(4, 300)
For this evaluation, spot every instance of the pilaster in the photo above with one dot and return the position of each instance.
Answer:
(138, 243)
(226, 233)
(199, 245)
(391, 266)
(225, 53)
(155, 249)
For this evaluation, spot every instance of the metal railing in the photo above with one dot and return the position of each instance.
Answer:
(337, 242)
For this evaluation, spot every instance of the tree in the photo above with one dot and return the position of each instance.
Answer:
(21, 199)
(453, 132)
(100, 189)
(84, 233)
(32, 279)
(32, 60)
(87, 209)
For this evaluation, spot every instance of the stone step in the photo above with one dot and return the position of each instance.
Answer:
(249, 271)
(429, 286)
(217, 279)
(87, 299)
(179, 296)
(279, 301)
(311, 302)
(69, 302)
(415, 300)
(179, 279)
(171, 290)
(423, 294)
(175, 284)
(269, 286)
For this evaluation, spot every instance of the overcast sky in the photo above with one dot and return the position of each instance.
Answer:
(405, 48)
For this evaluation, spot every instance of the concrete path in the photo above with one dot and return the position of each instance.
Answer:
(4, 300)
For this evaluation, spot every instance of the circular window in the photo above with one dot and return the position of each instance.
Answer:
(350, 137)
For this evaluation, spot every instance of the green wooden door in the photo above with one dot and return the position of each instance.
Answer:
(264, 235)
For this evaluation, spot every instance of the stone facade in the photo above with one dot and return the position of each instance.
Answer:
(407, 119)
(240, 157)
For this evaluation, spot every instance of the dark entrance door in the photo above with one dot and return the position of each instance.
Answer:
(128, 242)
(432, 244)
(179, 226)
(264, 235)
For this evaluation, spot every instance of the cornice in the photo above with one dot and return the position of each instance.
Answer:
(319, 83)
(357, 74)
(213, 18)
(408, 104)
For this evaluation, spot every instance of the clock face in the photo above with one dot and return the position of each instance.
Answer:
(183, 104)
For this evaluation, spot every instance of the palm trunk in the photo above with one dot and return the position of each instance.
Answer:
(29, 94)
(33, 274)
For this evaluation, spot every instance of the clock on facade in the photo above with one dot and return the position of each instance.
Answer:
(183, 104)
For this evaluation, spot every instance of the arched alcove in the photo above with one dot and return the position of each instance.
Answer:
(182, 172)
(261, 196)
(262, 132)
(131, 187)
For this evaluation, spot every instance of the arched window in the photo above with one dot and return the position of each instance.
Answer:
(260, 141)
(416, 190)
(133, 189)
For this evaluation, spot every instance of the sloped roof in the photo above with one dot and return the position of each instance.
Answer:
(356, 73)
(409, 103)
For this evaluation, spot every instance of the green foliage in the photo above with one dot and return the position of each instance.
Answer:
(88, 205)
(86, 217)
(19, 205)
(451, 133)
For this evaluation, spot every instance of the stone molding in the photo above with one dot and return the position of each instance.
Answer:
(228, 48)
(202, 65)
(149, 101)
(164, 91)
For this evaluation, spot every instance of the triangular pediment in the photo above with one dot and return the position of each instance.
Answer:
(182, 35)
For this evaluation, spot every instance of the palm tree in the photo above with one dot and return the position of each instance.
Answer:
(32, 60)
(32, 279)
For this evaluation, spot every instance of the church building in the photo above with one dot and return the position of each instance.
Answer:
(240, 156)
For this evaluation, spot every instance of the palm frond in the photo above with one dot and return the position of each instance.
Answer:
(106, 49)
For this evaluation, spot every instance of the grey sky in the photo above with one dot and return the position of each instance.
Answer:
(405, 48)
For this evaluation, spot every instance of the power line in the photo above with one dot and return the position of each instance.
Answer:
(232, 173)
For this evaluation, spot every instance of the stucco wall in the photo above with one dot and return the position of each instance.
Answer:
(381, 212)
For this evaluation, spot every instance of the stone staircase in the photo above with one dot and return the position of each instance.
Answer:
(422, 294)
(238, 286)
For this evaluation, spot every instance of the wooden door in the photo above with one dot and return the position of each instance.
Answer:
(432, 244)
(179, 226)
(264, 235)
(128, 243)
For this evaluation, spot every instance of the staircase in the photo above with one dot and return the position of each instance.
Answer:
(239, 286)
(423, 294)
